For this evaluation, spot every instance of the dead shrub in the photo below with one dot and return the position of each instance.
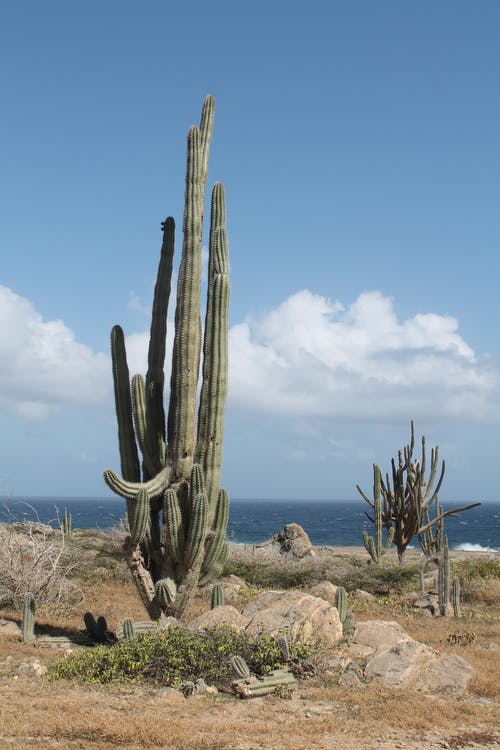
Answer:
(40, 559)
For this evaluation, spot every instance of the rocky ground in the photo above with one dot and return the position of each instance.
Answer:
(404, 679)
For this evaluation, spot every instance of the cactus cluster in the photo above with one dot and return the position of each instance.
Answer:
(177, 514)
(407, 496)
(248, 685)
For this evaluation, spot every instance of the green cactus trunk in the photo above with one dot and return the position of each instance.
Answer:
(455, 598)
(28, 621)
(444, 580)
(375, 546)
(177, 513)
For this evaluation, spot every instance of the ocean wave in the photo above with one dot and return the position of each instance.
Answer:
(467, 547)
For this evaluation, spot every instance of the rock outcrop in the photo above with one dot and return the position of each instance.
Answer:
(397, 660)
(301, 615)
(294, 541)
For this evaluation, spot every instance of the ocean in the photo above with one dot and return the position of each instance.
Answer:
(334, 523)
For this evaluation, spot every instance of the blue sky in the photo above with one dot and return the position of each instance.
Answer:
(358, 144)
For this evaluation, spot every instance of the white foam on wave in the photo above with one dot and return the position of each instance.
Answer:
(467, 547)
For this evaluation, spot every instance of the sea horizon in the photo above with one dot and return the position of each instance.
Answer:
(327, 522)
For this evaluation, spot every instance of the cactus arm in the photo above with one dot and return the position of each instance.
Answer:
(139, 517)
(215, 353)
(446, 513)
(158, 331)
(206, 129)
(216, 536)
(129, 490)
(185, 363)
(197, 530)
(129, 457)
(139, 415)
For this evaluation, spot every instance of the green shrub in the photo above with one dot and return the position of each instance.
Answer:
(176, 656)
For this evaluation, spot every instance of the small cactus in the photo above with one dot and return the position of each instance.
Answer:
(345, 615)
(128, 629)
(282, 641)
(340, 602)
(239, 667)
(252, 687)
(444, 579)
(67, 523)
(455, 598)
(28, 623)
(348, 624)
(421, 581)
(97, 629)
(217, 598)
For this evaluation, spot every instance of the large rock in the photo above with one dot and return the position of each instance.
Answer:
(293, 540)
(9, 629)
(397, 660)
(300, 615)
(223, 615)
(232, 586)
(324, 590)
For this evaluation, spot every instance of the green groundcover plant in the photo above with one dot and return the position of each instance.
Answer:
(176, 656)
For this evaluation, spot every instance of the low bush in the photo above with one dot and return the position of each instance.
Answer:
(176, 656)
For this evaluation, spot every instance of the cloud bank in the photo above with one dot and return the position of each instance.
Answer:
(313, 357)
(43, 367)
(309, 357)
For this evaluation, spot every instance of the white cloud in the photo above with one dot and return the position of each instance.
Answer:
(309, 357)
(313, 357)
(43, 366)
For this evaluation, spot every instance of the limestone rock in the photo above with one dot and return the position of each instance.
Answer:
(9, 629)
(362, 594)
(293, 540)
(428, 603)
(303, 616)
(379, 634)
(223, 615)
(324, 590)
(33, 668)
(401, 662)
(232, 586)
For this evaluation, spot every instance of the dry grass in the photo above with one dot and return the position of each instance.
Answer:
(66, 715)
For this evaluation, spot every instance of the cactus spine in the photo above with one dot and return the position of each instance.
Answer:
(177, 513)
(28, 622)
(217, 597)
(374, 545)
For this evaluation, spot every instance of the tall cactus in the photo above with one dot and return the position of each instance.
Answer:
(374, 545)
(177, 514)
